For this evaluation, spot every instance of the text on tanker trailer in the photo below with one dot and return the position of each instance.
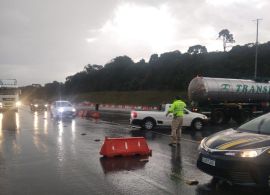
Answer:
(9, 95)
(223, 99)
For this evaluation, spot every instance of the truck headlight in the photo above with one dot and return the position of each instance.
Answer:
(18, 103)
(36, 105)
(60, 110)
(46, 105)
(73, 110)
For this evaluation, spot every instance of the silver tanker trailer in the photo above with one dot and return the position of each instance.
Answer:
(223, 99)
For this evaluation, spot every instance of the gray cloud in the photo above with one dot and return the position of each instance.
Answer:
(42, 41)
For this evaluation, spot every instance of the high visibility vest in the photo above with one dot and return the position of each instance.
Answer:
(177, 108)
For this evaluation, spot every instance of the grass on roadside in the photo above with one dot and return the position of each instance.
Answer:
(150, 98)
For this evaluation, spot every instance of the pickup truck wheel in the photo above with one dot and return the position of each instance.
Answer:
(148, 124)
(197, 124)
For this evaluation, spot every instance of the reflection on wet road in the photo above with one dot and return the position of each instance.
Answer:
(39, 155)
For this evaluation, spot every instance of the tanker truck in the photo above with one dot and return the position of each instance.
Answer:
(223, 99)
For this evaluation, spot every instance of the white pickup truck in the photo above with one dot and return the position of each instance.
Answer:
(149, 119)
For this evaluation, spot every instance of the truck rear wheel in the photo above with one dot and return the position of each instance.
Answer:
(227, 118)
(242, 116)
(218, 117)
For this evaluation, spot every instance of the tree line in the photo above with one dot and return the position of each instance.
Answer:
(168, 71)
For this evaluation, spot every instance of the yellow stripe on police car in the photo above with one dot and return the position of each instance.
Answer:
(232, 143)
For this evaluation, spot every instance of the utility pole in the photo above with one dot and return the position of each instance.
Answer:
(256, 52)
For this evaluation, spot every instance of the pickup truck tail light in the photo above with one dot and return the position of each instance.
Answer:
(195, 109)
(134, 114)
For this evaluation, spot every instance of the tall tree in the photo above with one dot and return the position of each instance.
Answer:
(153, 59)
(226, 37)
(91, 68)
(197, 49)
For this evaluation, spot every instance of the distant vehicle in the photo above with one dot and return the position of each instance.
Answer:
(38, 105)
(62, 109)
(9, 95)
(240, 156)
(149, 119)
(224, 99)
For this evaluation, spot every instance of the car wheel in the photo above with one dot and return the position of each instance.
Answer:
(214, 181)
(148, 124)
(219, 183)
(197, 124)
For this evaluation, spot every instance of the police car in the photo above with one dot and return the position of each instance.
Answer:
(240, 156)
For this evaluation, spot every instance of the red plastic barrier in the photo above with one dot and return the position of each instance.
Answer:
(84, 113)
(88, 113)
(80, 113)
(95, 115)
(92, 114)
(127, 146)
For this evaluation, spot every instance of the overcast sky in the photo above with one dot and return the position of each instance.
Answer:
(46, 40)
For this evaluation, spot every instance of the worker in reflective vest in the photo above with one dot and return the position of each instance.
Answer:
(177, 109)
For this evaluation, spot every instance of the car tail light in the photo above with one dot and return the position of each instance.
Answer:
(195, 109)
(134, 114)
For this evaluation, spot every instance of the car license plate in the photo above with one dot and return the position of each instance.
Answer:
(208, 161)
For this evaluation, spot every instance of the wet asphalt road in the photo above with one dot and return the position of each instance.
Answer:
(39, 155)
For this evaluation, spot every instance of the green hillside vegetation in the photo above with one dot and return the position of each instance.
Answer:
(156, 80)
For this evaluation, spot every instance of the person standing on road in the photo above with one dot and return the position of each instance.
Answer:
(177, 109)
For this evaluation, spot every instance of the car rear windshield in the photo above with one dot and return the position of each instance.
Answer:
(38, 102)
(257, 125)
(63, 104)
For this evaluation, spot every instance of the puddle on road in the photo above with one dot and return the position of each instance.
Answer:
(9, 121)
(117, 164)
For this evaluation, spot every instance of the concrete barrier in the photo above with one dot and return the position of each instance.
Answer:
(112, 107)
